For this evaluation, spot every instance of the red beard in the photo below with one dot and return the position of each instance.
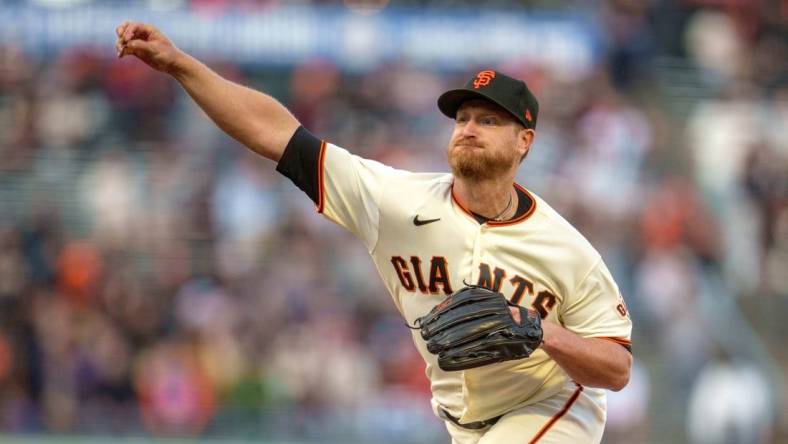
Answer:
(478, 164)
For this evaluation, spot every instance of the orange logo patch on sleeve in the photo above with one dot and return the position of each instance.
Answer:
(483, 79)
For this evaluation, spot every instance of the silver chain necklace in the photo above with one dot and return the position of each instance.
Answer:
(497, 217)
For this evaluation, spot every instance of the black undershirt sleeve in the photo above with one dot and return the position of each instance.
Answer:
(299, 162)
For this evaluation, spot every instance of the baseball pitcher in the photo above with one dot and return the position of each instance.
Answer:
(519, 321)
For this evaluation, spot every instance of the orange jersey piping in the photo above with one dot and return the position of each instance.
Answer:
(505, 222)
(557, 416)
(525, 216)
(321, 189)
(457, 202)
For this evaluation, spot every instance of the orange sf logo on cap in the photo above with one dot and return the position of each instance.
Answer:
(528, 116)
(483, 79)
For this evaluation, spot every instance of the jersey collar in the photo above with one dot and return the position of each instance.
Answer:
(502, 223)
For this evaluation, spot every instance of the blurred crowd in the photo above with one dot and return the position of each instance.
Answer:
(156, 278)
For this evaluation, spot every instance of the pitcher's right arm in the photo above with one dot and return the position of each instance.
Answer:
(256, 120)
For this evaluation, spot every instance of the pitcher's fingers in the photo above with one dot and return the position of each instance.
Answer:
(516, 314)
(137, 30)
(139, 47)
(119, 47)
(127, 30)
(130, 31)
(122, 27)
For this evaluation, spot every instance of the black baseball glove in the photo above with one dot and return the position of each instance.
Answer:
(474, 327)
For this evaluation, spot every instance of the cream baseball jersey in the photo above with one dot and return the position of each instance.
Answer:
(425, 245)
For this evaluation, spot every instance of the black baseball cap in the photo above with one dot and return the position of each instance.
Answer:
(511, 94)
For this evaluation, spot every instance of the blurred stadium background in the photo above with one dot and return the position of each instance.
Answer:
(158, 282)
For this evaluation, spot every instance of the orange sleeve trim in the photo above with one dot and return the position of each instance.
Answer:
(321, 189)
(622, 341)
(557, 416)
(626, 343)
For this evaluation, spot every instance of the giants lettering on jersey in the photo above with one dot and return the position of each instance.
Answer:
(438, 275)
(411, 276)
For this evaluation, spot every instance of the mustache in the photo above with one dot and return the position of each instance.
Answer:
(468, 142)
